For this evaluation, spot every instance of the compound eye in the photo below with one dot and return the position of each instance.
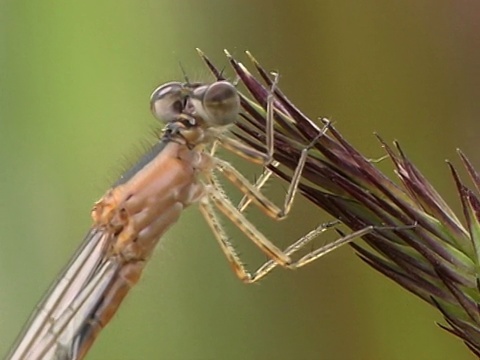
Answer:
(218, 103)
(168, 101)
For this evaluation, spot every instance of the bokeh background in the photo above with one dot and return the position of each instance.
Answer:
(75, 78)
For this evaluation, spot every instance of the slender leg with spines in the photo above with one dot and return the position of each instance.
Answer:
(277, 256)
(216, 196)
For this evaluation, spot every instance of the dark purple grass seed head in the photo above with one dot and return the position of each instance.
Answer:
(436, 259)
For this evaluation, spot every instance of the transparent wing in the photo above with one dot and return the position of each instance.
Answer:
(59, 326)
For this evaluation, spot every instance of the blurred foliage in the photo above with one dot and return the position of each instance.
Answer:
(75, 78)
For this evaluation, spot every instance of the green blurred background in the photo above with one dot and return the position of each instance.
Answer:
(75, 78)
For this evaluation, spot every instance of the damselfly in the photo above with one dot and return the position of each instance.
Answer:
(132, 216)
